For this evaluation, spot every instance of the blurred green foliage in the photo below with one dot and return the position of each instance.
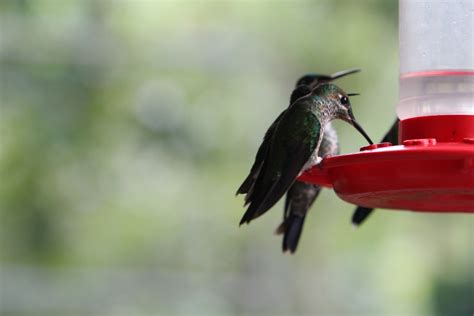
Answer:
(126, 127)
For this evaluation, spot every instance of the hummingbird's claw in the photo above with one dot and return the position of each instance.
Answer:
(320, 163)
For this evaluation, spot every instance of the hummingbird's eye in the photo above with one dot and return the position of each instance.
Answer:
(344, 100)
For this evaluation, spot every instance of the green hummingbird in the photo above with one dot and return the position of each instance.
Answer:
(293, 146)
(361, 213)
(303, 86)
(301, 195)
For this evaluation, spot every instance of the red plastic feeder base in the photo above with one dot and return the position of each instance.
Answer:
(432, 174)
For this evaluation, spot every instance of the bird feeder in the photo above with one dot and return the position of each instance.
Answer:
(432, 168)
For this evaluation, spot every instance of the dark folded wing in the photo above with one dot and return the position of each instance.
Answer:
(272, 186)
(291, 147)
(262, 152)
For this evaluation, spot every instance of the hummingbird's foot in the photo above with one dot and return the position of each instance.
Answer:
(319, 163)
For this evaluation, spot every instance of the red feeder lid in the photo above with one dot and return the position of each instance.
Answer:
(433, 174)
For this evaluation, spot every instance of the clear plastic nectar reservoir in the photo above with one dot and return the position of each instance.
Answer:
(436, 58)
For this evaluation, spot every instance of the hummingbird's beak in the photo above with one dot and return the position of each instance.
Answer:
(343, 73)
(359, 128)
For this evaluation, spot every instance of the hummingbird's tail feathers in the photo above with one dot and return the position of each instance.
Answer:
(299, 199)
(343, 73)
(293, 227)
(360, 215)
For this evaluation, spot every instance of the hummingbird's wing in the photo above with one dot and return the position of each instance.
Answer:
(246, 186)
(259, 158)
(301, 196)
(272, 185)
(361, 213)
(291, 147)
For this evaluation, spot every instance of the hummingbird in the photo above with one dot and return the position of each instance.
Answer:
(293, 146)
(301, 195)
(361, 213)
(303, 86)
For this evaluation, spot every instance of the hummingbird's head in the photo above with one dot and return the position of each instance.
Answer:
(315, 79)
(312, 79)
(299, 92)
(339, 105)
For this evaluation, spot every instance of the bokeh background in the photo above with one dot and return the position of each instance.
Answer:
(127, 126)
